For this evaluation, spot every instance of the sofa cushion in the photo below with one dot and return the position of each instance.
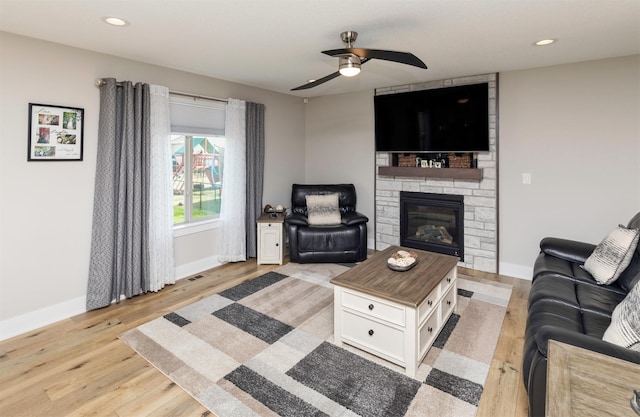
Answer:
(578, 295)
(624, 329)
(612, 255)
(322, 210)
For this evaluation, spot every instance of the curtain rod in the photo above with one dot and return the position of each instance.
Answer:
(100, 82)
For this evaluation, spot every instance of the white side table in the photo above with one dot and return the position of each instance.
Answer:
(271, 238)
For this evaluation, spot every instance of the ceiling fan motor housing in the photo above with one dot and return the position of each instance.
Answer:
(349, 65)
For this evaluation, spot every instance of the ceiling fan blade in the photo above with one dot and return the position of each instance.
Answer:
(322, 80)
(317, 82)
(394, 56)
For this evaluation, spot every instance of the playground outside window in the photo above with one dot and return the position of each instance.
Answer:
(197, 163)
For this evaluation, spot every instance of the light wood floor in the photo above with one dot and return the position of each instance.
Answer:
(79, 367)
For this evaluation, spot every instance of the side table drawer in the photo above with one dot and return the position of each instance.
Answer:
(373, 307)
(373, 336)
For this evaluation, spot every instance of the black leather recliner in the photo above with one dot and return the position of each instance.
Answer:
(567, 304)
(346, 242)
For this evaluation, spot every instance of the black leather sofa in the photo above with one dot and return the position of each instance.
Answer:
(566, 304)
(344, 242)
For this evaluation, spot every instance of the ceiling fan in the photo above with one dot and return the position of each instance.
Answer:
(350, 59)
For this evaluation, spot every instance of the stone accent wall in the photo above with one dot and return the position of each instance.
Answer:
(480, 197)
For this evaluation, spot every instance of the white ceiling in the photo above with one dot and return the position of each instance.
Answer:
(276, 44)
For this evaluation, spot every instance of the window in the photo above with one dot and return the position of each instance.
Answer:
(197, 158)
(197, 163)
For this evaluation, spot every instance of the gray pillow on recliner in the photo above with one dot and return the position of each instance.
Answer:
(323, 210)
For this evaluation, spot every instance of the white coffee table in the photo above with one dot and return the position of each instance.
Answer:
(395, 315)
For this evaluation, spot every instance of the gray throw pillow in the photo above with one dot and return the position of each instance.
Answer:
(612, 255)
(624, 329)
(323, 210)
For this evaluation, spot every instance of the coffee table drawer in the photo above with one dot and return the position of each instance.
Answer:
(373, 336)
(447, 282)
(428, 332)
(448, 303)
(373, 307)
(429, 304)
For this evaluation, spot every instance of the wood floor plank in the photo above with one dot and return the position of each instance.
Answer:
(79, 367)
(128, 391)
(500, 390)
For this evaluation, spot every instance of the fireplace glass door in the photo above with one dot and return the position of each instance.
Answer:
(432, 222)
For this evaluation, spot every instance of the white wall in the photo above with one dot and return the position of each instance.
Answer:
(46, 207)
(339, 134)
(576, 129)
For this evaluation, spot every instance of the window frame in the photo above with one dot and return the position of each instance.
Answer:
(193, 127)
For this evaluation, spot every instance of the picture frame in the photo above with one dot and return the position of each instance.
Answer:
(56, 133)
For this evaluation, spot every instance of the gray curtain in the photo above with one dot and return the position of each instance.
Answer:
(255, 171)
(119, 263)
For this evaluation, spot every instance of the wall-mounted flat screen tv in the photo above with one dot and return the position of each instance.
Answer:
(452, 119)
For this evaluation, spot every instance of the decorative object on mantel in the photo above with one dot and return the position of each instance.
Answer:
(460, 160)
(55, 133)
(408, 160)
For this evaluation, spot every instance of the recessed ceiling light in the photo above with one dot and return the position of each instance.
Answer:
(115, 21)
(544, 42)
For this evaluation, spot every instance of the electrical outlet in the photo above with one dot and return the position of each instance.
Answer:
(526, 178)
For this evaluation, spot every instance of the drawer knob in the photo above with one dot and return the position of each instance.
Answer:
(370, 306)
(448, 279)
(429, 303)
(277, 244)
(448, 302)
(370, 332)
(430, 329)
(269, 224)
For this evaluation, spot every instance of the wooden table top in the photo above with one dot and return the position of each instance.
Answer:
(266, 218)
(409, 288)
(583, 383)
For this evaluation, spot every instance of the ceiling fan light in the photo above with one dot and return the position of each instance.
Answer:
(349, 66)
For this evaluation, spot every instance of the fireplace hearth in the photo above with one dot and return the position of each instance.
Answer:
(432, 222)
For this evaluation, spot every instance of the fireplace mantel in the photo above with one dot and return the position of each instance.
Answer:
(441, 173)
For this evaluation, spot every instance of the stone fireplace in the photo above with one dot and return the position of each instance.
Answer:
(476, 187)
(432, 222)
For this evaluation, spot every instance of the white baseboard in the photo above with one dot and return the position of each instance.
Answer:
(42, 317)
(186, 270)
(515, 270)
(48, 315)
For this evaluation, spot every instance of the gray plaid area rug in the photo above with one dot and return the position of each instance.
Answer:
(265, 348)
